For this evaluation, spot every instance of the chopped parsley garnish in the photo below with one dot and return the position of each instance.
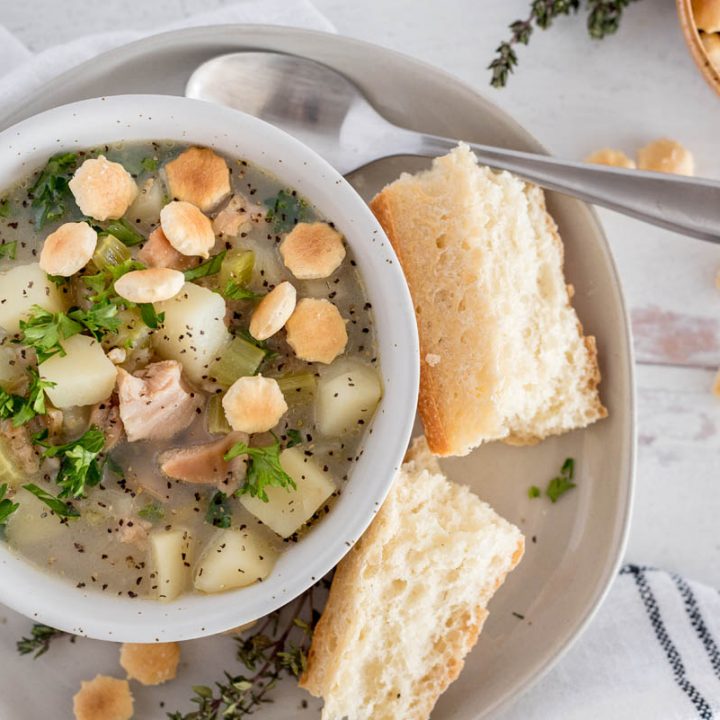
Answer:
(151, 318)
(264, 469)
(235, 291)
(559, 485)
(51, 190)
(8, 250)
(285, 210)
(152, 512)
(294, 438)
(4, 208)
(39, 640)
(533, 491)
(209, 267)
(79, 464)
(58, 506)
(7, 506)
(219, 512)
(24, 409)
(44, 331)
(150, 164)
(102, 283)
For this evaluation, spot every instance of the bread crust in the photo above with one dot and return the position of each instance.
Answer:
(339, 620)
(440, 409)
(428, 408)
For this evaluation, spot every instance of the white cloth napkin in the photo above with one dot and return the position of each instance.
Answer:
(22, 72)
(651, 652)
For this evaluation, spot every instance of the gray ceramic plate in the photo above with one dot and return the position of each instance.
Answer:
(573, 547)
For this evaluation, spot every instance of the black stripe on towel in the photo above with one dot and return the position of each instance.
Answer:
(671, 652)
(697, 621)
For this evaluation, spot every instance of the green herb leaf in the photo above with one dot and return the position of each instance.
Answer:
(275, 649)
(209, 267)
(235, 291)
(7, 506)
(559, 485)
(79, 465)
(43, 331)
(294, 438)
(150, 164)
(152, 512)
(219, 512)
(51, 191)
(264, 469)
(285, 210)
(5, 208)
(124, 232)
(59, 507)
(151, 318)
(533, 491)
(8, 250)
(99, 320)
(34, 404)
(102, 283)
(39, 640)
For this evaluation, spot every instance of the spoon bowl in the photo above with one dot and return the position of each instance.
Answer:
(312, 102)
(329, 113)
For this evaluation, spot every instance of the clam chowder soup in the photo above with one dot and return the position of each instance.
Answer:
(187, 368)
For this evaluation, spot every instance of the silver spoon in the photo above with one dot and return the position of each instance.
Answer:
(328, 112)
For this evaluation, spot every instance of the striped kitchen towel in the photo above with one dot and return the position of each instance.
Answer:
(652, 652)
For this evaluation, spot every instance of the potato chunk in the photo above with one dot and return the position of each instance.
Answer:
(288, 510)
(233, 559)
(20, 289)
(346, 398)
(170, 550)
(150, 664)
(83, 376)
(194, 331)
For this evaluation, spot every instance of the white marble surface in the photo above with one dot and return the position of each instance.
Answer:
(575, 95)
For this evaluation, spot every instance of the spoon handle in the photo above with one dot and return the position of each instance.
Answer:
(686, 205)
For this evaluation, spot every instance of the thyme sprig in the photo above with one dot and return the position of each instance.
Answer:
(603, 19)
(275, 649)
(39, 641)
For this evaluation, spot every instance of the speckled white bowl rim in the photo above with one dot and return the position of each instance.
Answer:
(56, 601)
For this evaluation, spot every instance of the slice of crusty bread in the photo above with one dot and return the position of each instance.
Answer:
(503, 355)
(409, 600)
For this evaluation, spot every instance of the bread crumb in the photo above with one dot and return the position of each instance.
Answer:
(104, 698)
(716, 384)
(150, 664)
(667, 156)
(432, 359)
(608, 156)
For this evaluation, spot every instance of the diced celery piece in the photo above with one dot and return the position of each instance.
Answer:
(109, 252)
(125, 232)
(9, 472)
(297, 387)
(217, 423)
(239, 358)
(237, 266)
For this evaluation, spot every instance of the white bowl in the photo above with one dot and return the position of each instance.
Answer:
(57, 602)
